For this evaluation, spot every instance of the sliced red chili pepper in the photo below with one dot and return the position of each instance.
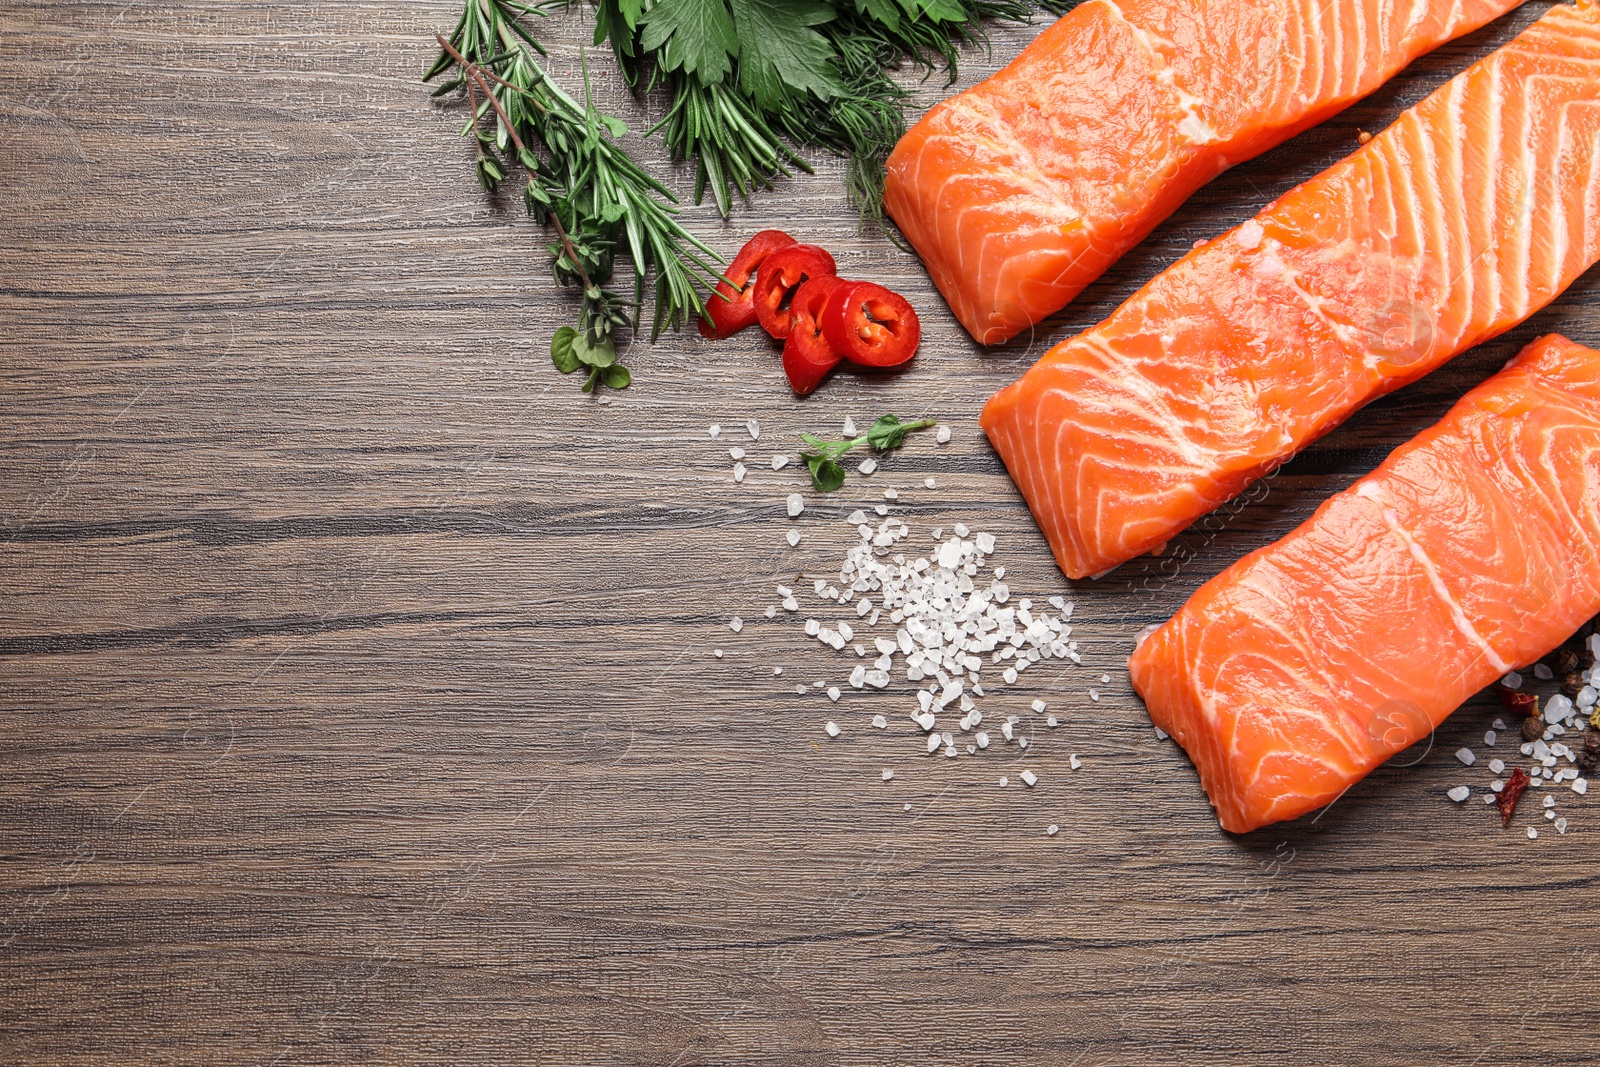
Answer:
(807, 356)
(1510, 793)
(868, 324)
(730, 309)
(784, 272)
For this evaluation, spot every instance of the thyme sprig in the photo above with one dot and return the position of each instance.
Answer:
(580, 182)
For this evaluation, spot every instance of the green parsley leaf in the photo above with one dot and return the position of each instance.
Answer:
(940, 10)
(698, 36)
(780, 55)
(885, 433)
(884, 11)
(826, 474)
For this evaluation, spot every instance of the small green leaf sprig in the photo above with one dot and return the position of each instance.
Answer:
(822, 460)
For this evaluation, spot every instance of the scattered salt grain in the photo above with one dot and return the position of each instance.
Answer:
(942, 435)
(800, 690)
(1542, 672)
(779, 462)
(1499, 724)
(1074, 762)
(1104, 678)
(738, 472)
(1497, 766)
(930, 483)
(793, 537)
(887, 774)
(879, 722)
(1561, 825)
(755, 429)
(1094, 694)
(797, 504)
(1051, 830)
(1161, 735)
(1465, 756)
(1004, 781)
(833, 692)
(1580, 786)
(1490, 737)
(867, 466)
(1030, 779)
(1512, 680)
(715, 430)
(777, 671)
(1039, 705)
(832, 727)
(736, 624)
(849, 426)
(717, 652)
(1459, 793)
(736, 452)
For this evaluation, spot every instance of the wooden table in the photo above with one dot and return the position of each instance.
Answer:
(357, 673)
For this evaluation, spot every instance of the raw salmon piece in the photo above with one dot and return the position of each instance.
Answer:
(1472, 550)
(1475, 209)
(1022, 190)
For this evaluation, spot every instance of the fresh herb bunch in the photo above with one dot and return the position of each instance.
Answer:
(579, 181)
(751, 81)
(822, 460)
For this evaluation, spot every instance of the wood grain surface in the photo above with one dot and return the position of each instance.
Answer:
(357, 678)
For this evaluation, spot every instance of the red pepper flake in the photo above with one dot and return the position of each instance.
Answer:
(1518, 702)
(1510, 794)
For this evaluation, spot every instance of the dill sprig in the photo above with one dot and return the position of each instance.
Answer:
(580, 182)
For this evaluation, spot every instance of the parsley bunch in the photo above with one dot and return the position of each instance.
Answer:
(751, 81)
(822, 460)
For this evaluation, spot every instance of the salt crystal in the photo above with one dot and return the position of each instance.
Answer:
(934, 741)
(755, 429)
(779, 462)
(1051, 830)
(1497, 766)
(1459, 793)
(1465, 756)
(867, 466)
(1499, 724)
(930, 483)
(833, 692)
(1038, 705)
(1543, 673)
(942, 435)
(715, 430)
(849, 426)
(1561, 825)
(985, 543)
(1104, 678)
(879, 722)
(1490, 737)
(1549, 801)
(1532, 833)
(1052, 721)
(981, 738)
(1004, 781)
(1580, 786)
(793, 537)
(1161, 735)
(797, 504)
(1030, 779)
(1094, 694)
(1497, 785)
(736, 625)
(1512, 680)
(1074, 762)
(800, 689)
(887, 774)
(738, 472)
(717, 653)
(777, 671)
(832, 727)
(1009, 674)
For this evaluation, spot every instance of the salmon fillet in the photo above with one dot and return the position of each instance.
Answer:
(1472, 550)
(1475, 209)
(1020, 191)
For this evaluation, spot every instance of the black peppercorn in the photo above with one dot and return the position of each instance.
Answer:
(1589, 756)
(1532, 728)
(1570, 684)
(1565, 661)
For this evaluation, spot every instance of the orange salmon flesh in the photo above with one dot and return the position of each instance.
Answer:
(1472, 550)
(1020, 191)
(1475, 209)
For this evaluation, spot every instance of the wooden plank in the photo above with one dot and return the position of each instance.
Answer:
(357, 672)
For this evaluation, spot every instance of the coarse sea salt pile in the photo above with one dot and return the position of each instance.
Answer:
(1552, 761)
(934, 624)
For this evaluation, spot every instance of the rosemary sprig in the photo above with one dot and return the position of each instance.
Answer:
(822, 458)
(594, 196)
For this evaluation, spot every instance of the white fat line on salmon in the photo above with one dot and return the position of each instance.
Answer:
(1391, 518)
(1191, 127)
(1269, 264)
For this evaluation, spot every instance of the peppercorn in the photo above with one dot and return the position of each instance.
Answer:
(1532, 728)
(1571, 683)
(1589, 758)
(1566, 661)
